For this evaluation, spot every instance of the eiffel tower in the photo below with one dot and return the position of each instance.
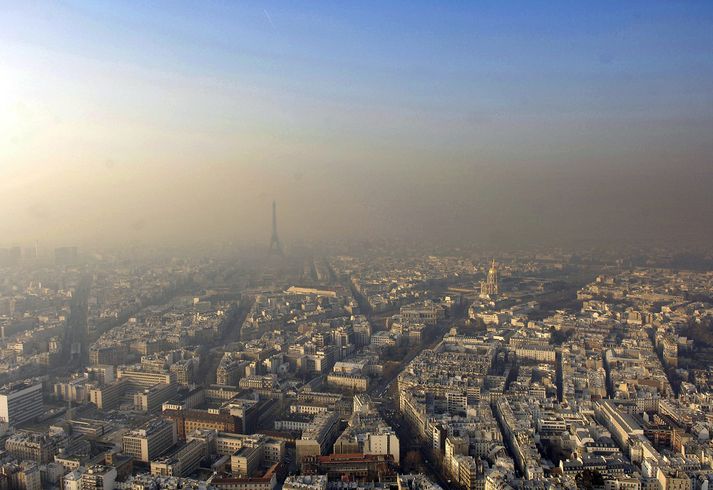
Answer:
(275, 245)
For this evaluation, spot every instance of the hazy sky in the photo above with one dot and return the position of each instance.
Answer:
(486, 121)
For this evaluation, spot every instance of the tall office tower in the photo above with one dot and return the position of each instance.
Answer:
(153, 439)
(275, 245)
(20, 402)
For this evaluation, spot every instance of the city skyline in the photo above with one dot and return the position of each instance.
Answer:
(402, 245)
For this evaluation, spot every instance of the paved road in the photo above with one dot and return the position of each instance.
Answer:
(232, 333)
(389, 406)
(378, 390)
(410, 442)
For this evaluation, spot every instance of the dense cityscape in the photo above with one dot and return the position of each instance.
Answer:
(356, 245)
(377, 370)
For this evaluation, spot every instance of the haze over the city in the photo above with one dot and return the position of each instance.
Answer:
(494, 122)
(356, 245)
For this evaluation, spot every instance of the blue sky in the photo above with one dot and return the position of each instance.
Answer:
(406, 91)
(446, 56)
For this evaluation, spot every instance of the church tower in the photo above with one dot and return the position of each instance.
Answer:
(489, 287)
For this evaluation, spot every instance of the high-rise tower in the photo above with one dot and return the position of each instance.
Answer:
(275, 245)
